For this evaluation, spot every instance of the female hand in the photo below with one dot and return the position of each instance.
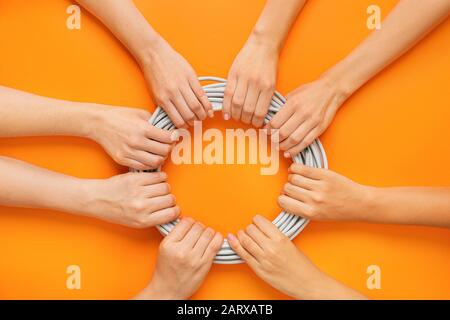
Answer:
(175, 85)
(276, 260)
(251, 83)
(185, 257)
(307, 113)
(129, 139)
(321, 194)
(137, 200)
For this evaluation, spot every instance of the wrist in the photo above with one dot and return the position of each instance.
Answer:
(265, 41)
(90, 120)
(337, 85)
(151, 47)
(156, 290)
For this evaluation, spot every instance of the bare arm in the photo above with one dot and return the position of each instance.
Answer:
(321, 194)
(172, 80)
(406, 24)
(136, 200)
(123, 132)
(252, 77)
(277, 261)
(312, 107)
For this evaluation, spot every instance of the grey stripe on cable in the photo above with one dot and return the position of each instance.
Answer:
(313, 156)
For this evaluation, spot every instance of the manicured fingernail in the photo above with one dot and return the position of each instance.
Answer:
(211, 113)
(287, 155)
(231, 237)
(175, 136)
(226, 116)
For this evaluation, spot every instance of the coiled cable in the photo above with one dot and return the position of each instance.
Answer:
(313, 156)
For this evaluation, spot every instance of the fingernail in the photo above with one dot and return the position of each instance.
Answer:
(226, 116)
(287, 155)
(211, 113)
(175, 136)
(231, 237)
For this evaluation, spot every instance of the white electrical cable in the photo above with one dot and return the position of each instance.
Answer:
(313, 156)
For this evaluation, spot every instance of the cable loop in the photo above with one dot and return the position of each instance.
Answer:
(313, 156)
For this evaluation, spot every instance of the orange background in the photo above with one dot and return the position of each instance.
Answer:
(394, 131)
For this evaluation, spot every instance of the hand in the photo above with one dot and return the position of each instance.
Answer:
(321, 194)
(307, 113)
(137, 200)
(251, 83)
(130, 140)
(175, 85)
(185, 257)
(276, 260)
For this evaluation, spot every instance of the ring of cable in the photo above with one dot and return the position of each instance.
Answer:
(314, 156)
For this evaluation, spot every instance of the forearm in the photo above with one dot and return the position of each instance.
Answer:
(409, 205)
(327, 288)
(275, 21)
(127, 24)
(408, 23)
(24, 114)
(24, 185)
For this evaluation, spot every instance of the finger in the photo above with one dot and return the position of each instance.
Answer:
(181, 229)
(312, 135)
(149, 178)
(201, 96)
(241, 252)
(288, 128)
(266, 226)
(308, 172)
(133, 164)
(161, 135)
(262, 107)
(228, 96)
(250, 104)
(302, 181)
(160, 202)
(157, 190)
(162, 216)
(181, 105)
(149, 159)
(213, 247)
(193, 103)
(297, 136)
(280, 118)
(250, 245)
(193, 235)
(155, 147)
(294, 206)
(297, 193)
(237, 103)
(174, 115)
(203, 242)
(257, 235)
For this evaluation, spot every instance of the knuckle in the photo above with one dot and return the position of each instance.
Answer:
(293, 139)
(238, 102)
(318, 198)
(137, 206)
(259, 114)
(196, 106)
(228, 91)
(181, 257)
